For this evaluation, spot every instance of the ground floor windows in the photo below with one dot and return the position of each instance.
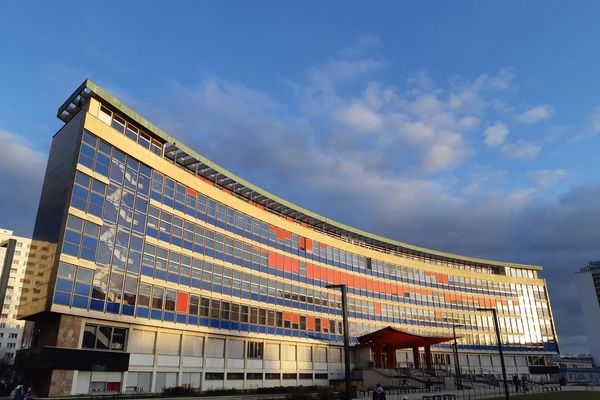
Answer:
(102, 337)
(255, 350)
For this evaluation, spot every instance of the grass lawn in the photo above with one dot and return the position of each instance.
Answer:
(558, 396)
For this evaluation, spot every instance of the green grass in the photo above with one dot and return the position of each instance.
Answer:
(557, 396)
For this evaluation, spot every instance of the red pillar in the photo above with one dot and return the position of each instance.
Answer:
(428, 358)
(416, 358)
(391, 356)
(378, 348)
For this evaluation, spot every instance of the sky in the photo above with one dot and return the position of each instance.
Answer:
(470, 126)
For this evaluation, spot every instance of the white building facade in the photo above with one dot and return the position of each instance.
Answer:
(588, 289)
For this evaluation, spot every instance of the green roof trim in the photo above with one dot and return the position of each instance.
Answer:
(143, 122)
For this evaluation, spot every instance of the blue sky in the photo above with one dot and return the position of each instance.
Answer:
(470, 127)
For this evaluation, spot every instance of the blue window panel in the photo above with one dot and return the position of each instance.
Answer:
(230, 228)
(196, 283)
(287, 332)
(165, 237)
(84, 160)
(78, 203)
(88, 254)
(160, 274)
(168, 201)
(218, 255)
(254, 296)
(279, 331)
(95, 210)
(72, 237)
(192, 320)
(271, 300)
(253, 328)
(173, 278)
(263, 298)
(262, 329)
(235, 326)
(303, 334)
(228, 258)
(318, 309)
(302, 279)
(188, 245)
(64, 285)
(97, 305)
(206, 286)
(181, 318)
(156, 196)
(246, 264)
(142, 312)
(214, 323)
(179, 206)
(295, 304)
(227, 291)
(156, 314)
(295, 333)
(271, 331)
(236, 293)
(201, 216)
(221, 224)
(279, 302)
(184, 280)
(224, 324)
(204, 321)
(176, 241)
(246, 295)
(239, 231)
(216, 288)
(303, 306)
(81, 289)
(148, 271)
(62, 298)
(169, 316)
(151, 232)
(199, 249)
(244, 327)
(128, 309)
(112, 308)
(208, 252)
(263, 268)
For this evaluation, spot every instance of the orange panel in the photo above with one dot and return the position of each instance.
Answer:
(304, 224)
(309, 271)
(323, 245)
(330, 276)
(363, 283)
(280, 261)
(182, 302)
(377, 308)
(192, 192)
(287, 264)
(295, 318)
(295, 265)
(287, 316)
(272, 228)
(370, 285)
(324, 323)
(227, 191)
(288, 235)
(438, 315)
(337, 277)
(309, 244)
(272, 259)
(317, 269)
(344, 278)
(280, 234)
(302, 242)
(290, 219)
(310, 323)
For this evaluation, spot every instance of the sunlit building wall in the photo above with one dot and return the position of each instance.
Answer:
(169, 270)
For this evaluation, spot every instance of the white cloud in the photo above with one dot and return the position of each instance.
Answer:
(535, 114)
(495, 134)
(547, 177)
(360, 117)
(522, 149)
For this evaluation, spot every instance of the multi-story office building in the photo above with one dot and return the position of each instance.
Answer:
(11, 329)
(170, 270)
(588, 289)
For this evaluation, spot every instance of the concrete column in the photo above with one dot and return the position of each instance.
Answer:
(428, 358)
(416, 358)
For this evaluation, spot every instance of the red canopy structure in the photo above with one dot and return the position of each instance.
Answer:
(393, 339)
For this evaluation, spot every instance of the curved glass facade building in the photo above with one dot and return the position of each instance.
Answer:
(170, 270)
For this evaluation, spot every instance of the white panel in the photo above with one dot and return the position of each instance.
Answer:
(272, 365)
(304, 365)
(272, 351)
(255, 364)
(235, 363)
(288, 365)
(141, 359)
(335, 367)
(83, 382)
(235, 349)
(215, 363)
(320, 366)
(192, 362)
(100, 376)
(168, 361)
(171, 380)
(236, 384)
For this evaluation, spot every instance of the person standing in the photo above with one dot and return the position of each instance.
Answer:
(378, 392)
(516, 382)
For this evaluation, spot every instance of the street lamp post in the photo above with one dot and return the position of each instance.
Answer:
(456, 360)
(499, 339)
(348, 378)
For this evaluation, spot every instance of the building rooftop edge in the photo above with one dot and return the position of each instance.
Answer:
(72, 105)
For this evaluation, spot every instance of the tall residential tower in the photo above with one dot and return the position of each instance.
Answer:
(588, 289)
(167, 270)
